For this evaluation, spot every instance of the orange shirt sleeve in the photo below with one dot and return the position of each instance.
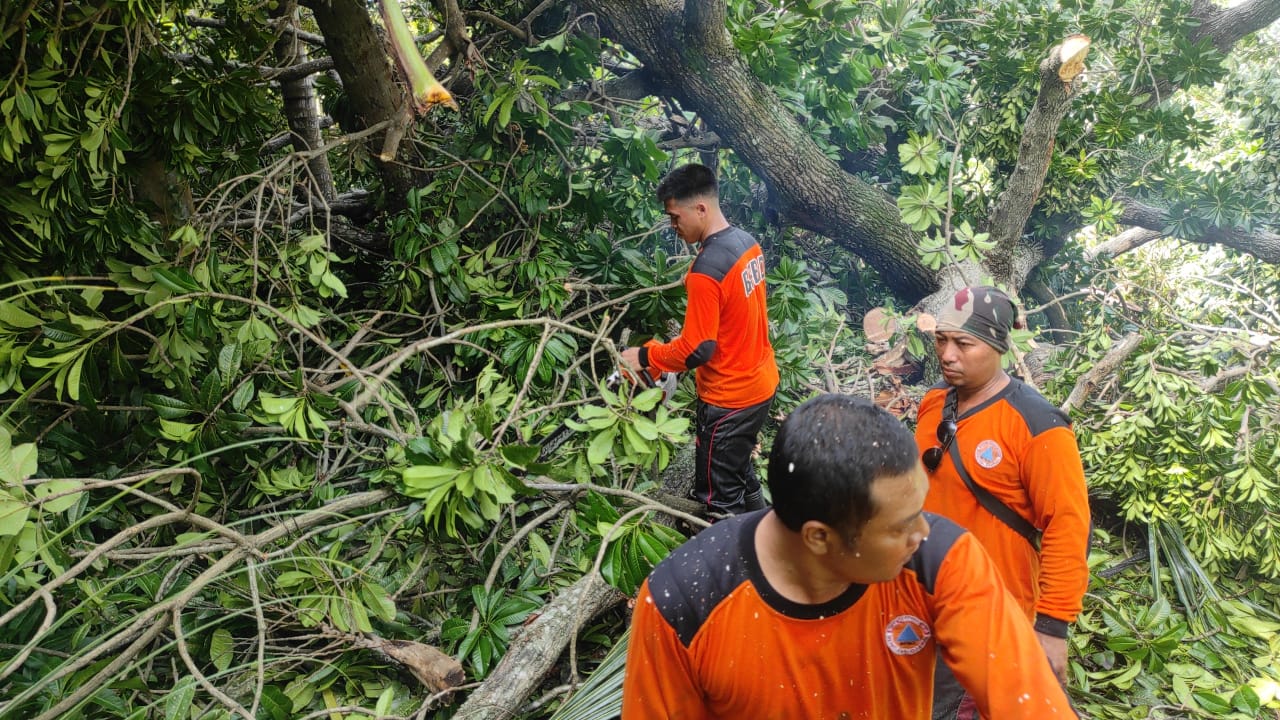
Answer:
(1054, 477)
(660, 680)
(701, 326)
(988, 643)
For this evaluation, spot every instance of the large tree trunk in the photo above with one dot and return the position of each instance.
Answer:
(687, 52)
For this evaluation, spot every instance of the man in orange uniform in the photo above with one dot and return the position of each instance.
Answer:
(1030, 508)
(725, 337)
(834, 603)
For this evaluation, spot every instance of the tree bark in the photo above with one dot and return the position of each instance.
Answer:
(1105, 367)
(361, 60)
(538, 647)
(1226, 26)
(301, 109)
(1058, 72)
(695, 62)
(1130, 239)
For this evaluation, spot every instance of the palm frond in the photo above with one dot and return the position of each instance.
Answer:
(600, 697)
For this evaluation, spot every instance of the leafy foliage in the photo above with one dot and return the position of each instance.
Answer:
(239, 448)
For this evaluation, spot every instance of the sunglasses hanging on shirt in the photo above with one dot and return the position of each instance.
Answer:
(946, 433)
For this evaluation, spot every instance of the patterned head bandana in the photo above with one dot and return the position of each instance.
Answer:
(983, 312)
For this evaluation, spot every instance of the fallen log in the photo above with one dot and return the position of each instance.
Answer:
(537, 649)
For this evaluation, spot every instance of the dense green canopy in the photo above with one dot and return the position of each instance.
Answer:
(279, 337)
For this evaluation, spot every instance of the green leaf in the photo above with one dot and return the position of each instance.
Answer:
(14, 316)
(276, 703)
(600, 447)
(177, 431)
(16, 463)
(429, 476)
(177, 702)
(274, 405)
(520, 455)
(220, 649)
(540, 550)
(385, 700)
(177, 280)
(167, 407)
(1211, 701)
(57, 487)
(229, 359)
(243, 395)
(13, 515)
(1246, 700)
(377, 599)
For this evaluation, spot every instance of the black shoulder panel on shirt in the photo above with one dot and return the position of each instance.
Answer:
(720, 252)
(1039, 414)
(690, 582)
(943, 534)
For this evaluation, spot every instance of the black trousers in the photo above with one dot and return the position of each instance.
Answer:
(724, 478)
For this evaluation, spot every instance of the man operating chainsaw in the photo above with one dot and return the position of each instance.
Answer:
(725, 340)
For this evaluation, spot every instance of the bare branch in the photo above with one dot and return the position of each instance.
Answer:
(1105, 367)
(1130, 239)
(499, 23)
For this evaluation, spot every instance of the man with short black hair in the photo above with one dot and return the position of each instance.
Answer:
(1004, 464)
(725, 339)
(832, 604)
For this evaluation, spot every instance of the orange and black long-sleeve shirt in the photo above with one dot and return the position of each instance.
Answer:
(726, 325)
(1020, 448)
(711, 638)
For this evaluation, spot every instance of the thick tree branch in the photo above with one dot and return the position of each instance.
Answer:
(1262, 244)
(538, 648)
(705, 22)
(301, 109)
(810, 188)
(1130, 239)
(284, 139)
(1058, 73)
(1053, 311)
(307, 37)
(1086, 383)
(457, 43)
(300, 70)
(634, 85)
(498, 22)
(1226, 26)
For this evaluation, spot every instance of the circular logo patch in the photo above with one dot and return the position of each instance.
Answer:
(907, 635)
(988, 454)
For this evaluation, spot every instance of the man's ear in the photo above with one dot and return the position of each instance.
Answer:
(819, 537)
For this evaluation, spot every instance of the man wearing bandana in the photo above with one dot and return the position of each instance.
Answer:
(1019, 452)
